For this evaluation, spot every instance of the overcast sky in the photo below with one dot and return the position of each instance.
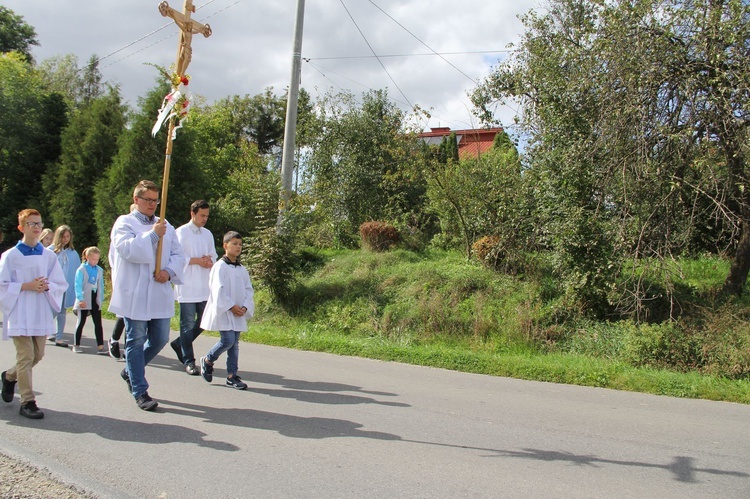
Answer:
(251, 46)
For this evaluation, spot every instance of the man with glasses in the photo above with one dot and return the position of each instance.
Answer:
(145, 299)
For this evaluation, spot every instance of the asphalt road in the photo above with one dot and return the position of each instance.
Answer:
(319, 425)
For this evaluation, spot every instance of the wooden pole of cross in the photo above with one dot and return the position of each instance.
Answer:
(188, 28)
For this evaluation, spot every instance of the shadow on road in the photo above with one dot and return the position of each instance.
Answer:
(314, 392)
(681, 467)
(284, 424)
(121, 429)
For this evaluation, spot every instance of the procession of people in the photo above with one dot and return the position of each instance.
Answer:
(152, 265)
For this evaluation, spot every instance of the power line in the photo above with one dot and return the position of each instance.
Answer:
(320, 69)
(376, 55)
(409, 55)
(423, 43)
(156, 31)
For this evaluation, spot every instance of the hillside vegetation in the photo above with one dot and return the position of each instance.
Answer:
(437, 309)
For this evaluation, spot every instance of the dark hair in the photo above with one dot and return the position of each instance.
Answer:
(232, 234)
(201, 204)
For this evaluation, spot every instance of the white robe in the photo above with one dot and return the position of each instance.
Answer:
(229, 286)
(28, 313)
(195, 278)
(135, 293)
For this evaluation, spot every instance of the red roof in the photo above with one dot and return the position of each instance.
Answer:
(472, 143)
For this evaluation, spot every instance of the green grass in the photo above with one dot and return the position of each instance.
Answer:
(557, 368)
(436, 309)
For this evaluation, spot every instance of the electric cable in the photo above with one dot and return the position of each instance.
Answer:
(376, 55)
(423, 43)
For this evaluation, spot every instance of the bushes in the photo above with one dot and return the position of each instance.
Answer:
(498, 254)
(378, 236)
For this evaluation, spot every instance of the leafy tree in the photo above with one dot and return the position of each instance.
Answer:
(448, 149)
(259, 118)
(61, 74)
(358, 169)
(637, 114)
(475, 196)
(30, 124)
(139, 156)
(16, 35)
(89, 144)
(234, 170)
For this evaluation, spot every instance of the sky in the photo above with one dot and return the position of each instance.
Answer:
(251, 46)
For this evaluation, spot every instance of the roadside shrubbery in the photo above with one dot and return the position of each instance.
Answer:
(378, 236)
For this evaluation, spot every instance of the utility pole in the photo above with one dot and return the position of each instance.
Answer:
(290, 128)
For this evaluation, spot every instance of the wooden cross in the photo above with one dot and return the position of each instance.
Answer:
(188, 28)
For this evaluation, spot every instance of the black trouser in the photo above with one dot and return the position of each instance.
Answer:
(119, 328)
(96, 315)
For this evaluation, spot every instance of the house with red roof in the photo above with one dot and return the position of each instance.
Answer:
(471, 143)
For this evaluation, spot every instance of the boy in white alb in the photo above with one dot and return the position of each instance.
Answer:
(32, 285)
(200, 254)
(142, 296)
(230, 304)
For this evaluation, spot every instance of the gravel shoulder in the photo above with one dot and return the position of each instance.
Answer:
(19, 480)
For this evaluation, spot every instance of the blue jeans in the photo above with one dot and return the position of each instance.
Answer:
(190, 328)
(229, 343)
(60, 318)
(143, 340)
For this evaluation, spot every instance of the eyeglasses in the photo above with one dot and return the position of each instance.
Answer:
(149, 200)
(35, 224)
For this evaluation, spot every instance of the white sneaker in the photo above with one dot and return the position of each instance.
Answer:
(77, 349)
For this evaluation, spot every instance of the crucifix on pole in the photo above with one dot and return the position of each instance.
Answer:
(188, 28)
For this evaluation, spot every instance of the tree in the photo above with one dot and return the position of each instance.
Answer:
(259, 118)
(638, 117)
(139, 156)
(61, 74)
(89, 144)
(475, 196)
(16, 35)
(234, 171)
(30, 124)
(358, 170)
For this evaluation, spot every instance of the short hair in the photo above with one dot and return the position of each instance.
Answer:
(57, 245)
(200, 204)
(143, 186)
(232, 234)
(23, 215)
(90, 249)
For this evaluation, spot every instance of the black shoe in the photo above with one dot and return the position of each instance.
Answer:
(31, 411)
(236, 382)
(146, 403)
(124, 375)
(192, 369)
(114, 349)
(207, 370)
(8, 388)
(177, 347)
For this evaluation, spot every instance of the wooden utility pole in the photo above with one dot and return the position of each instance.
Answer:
(188, 28)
